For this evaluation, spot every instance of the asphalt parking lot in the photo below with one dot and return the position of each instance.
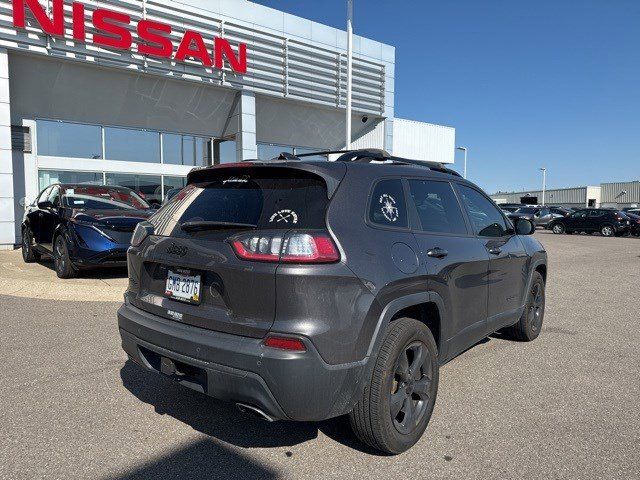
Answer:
(564, 406)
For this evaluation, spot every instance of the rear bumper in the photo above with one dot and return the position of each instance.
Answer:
(113, 257)
(285, 385)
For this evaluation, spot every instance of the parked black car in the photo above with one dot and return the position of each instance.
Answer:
(305, 290)
(634, 211)
(634, 218)
(82, 226)
(608, 222)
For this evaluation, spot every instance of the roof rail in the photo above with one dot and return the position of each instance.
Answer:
(366, 155)
(378, 155)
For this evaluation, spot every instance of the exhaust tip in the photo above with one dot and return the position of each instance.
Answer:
(254, 412)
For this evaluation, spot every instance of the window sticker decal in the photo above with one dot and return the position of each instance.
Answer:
(389, 208)
(284, 216)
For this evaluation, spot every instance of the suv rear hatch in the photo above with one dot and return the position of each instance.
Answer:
(194, 237)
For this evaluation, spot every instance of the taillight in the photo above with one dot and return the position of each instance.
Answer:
(285, 343)
(294, 247)
(142, 231)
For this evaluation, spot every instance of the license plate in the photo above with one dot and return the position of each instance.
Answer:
(185, 288)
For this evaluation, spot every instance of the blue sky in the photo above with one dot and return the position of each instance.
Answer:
(552, 83)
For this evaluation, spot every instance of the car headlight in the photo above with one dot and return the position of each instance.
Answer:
(93, 227)
(142, 231)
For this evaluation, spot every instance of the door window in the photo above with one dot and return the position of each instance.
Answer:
(485, 217)
(387, 206)
(437, 207)
(580, 214)
(595, 213)
(54, 197)
(44, 195)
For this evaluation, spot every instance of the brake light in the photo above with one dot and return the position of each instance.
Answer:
(294, 247)
(285, 343)
(141, 232)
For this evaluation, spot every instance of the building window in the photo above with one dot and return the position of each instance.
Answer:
(131, 145)
(49, 177)
(171, 183)
(224, 151)
(186, 150)
(148, 187)
(65, 139)
(267, 151)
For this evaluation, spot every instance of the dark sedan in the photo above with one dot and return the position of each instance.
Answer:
(82, 226)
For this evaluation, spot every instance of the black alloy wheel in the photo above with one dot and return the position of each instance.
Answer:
(529, 325)
(409, 394)
(61, 260)
(395, 407)
(536, 307)
(29, 255)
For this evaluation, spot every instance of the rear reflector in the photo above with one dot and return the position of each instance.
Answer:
(285, 343)
(294, 247)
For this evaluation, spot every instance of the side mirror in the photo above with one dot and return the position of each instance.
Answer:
(45, 204)
(524, 226)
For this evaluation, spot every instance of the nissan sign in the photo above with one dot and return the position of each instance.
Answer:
(153, 37)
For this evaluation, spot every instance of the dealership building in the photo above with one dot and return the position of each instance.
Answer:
(139, 92)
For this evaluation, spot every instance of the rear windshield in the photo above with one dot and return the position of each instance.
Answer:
(103, 198)
(285, 199)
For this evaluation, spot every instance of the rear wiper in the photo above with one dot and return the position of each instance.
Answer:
(193, 226)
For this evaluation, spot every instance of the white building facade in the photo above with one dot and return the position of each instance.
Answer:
(139, 92)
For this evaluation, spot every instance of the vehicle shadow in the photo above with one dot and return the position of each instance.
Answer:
(200, 459)
(105, 273)
(221, 420)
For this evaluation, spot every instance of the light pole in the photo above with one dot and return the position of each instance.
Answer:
(544, 183)
(349, 70)
(464, 149)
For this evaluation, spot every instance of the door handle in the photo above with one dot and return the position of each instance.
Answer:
(437, 252)
(495, 251)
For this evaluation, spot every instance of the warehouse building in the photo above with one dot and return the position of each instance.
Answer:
(621, 194)
(139, 92)
(565, 197)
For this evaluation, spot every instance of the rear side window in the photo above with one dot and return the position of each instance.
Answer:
(269, 200)
(485, 217)
(387, 207)
(437, 207)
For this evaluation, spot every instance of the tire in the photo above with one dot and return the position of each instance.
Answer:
(61, 260)
(400, 382)
(607, 231)
(558, 228)
(530, 323)
(29, 255)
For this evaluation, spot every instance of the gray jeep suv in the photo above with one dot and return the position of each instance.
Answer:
(305, 290)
